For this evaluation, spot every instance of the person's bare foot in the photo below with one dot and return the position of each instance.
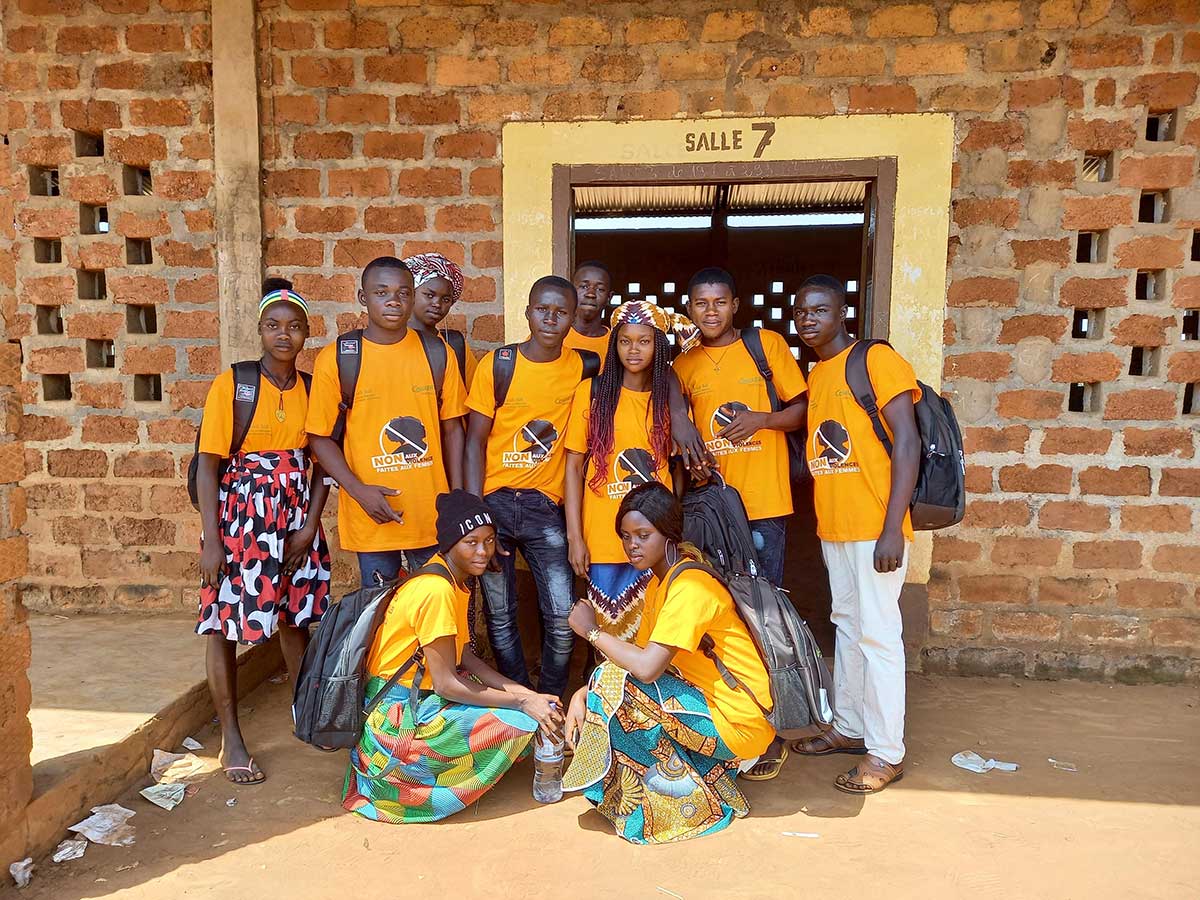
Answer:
(238, 764)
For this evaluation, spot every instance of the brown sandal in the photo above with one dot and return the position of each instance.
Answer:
(870, 776)
(828, 742)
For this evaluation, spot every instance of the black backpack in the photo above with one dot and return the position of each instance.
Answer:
(349, 362)
(797, 462)
(329, 696)
(940, 497)
(504, 364)
(715, 521)
(457, 342)
(246, 376)
(801, 686)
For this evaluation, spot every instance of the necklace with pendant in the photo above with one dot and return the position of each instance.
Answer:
(280, 414)
(716, 363)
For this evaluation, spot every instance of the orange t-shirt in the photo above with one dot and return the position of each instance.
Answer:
(525, 448)
(852, 472)
(267, 431)
(697, 605)
(631, 464)
(598, 345)
(393, 437)
(468, 358)
(713, 377)
(422, 610)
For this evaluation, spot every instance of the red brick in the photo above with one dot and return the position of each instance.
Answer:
(96, 255)
(1163, 90)
(323, 145)
(110, 429)
(337, 288)
(80, 531)
(1161, 518)
(883, 98)
(144, 464)
(203, 361)
(199, 220)
(356, 34)
(76, 40)
(26, 38)
(948, 549)
(426, 109)
(1090, 555)
(1142, 331)
(1140, 405)
(1105, 93)
(799, 100)
(467, 71)
(1086, 441)
(540, 68)
(1011, 589)
(98, 326)
(903, 20)
(148, 360)
(1153, 252)
(848, 60)
(430, 32)
(51, 290)
(136, 149)
(983, 290)
(1010, 439)
(1100, 630)
(294, 252)
(94, 189)
(1175, 632)
(1186, 292)
(201, 289)
(1127, 481)
(1146, 593)
(294, 183)
(966, 98)
(1180, 483)
(1162, 12)
(398, 68)
(100, 396)
(183, 185)
(46, 150)
(1007, 134)
(691, 65)
(1026, 551)
(983, 366)
(325, 219)
(1159, 442)
(1027, 172)
(568, 105)
(292, 34)
(469, 217)
(1020, 54)
(1181, 558)
(496, 108)
(925, 58)
(1071, 515)
(357, 252)
(574, 31)
(959, 624)
(153, 38)
(1030, 404)
(54, 360)
(35, 429)
(1094, 293)
(656, 30)
(1184, 367)
(166, 499)
(393, 145)
(431, 182)
(47, 221)
(1026, 253)
(357, 109)
(149, 111)
(1040, 91)
(102, 497)
(1025, 627)
(487, 329)
(293, 110)
(1164, 49)
(1191, 47)
(479, 290)
(1100, 134)
(1088, 213)
(1105, 51)
(999, 15)
(1045, 479)
(613, 67)
(517, 32)
(52, 495)
(90, 115)
(1086, 368)
(188, 394)
(373, 182)
(144, 532)
(487, 254)
(77, 463)
(394, 219)
(177, 253)
(466, 145)
(1073, 591)
(191, 325)
(323, 71)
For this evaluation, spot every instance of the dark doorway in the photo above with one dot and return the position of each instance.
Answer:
(771, 227)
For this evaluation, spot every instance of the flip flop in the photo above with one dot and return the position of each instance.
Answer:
(767, 760)
(246, 768)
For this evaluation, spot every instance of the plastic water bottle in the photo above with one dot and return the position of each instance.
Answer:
(547, 770)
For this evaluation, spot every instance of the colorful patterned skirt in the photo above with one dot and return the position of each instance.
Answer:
(263, 497)
(451, 756)
(650, 759)
(617, 591)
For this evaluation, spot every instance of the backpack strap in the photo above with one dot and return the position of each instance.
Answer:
(457, 342)
(752, 338)
(707, 645)
(504, 364)
(591, 363)
(858, 379)
(307, 379)
(246, 376)
(349, 363)
(435, 355)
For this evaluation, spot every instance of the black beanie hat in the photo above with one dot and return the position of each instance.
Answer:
(458, 513)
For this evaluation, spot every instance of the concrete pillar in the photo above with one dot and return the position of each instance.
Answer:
(238, 184)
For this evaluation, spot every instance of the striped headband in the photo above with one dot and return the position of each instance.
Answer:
(282, 296)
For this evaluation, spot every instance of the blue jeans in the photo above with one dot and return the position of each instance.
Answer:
(388, 563)
(531, 522)
(770, 540)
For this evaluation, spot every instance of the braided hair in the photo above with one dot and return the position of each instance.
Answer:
(607, 393)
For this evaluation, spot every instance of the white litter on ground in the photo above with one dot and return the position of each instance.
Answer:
(973, 762)
(108, 824)
(177, 768)
(22, 871)
(166, 795)
(190, 743)
(69, 849)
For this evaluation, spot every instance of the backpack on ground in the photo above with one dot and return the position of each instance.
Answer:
(246, 376)
(940, 496)
(715, 521)
(329, 696)
(797, 461)
(801, 686)
(504, 364)
(349, 364)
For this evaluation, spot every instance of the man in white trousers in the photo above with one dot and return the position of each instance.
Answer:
(862, 495)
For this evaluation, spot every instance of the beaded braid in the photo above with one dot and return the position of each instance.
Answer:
(603, 415)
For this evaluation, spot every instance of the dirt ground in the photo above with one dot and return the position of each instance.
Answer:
(1126, 823)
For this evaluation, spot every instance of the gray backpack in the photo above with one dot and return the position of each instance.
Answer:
(801, 686)
(329, 706)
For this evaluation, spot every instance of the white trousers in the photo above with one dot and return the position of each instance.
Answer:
(868, 667)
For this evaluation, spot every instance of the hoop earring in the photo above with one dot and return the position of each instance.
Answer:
(672, 554)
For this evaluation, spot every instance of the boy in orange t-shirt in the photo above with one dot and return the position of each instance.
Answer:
(593, 290)
(862, 498)
(403, 443)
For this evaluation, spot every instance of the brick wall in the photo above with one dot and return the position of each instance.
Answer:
(111, 526)
(381, 133)
(16, 775)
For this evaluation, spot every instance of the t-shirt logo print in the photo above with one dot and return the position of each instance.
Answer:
(831, 448)
(532, 445)
(723, 415)
(631, 467)
(402, 446)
